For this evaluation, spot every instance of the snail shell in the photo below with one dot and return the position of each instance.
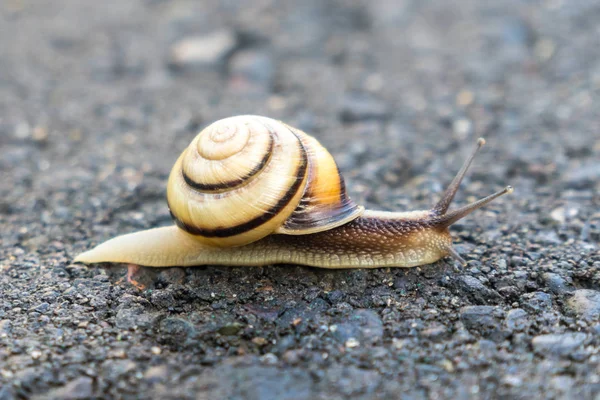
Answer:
(245, 177)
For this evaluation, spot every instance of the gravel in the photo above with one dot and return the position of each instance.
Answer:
(585, 303)
(100, 98)
(563, 344)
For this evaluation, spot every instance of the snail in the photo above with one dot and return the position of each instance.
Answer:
(253, 191)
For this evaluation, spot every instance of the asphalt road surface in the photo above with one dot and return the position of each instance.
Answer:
(97, 100)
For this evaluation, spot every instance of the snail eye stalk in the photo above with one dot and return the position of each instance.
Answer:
(441, 216)
(442, 206)
(453, 216)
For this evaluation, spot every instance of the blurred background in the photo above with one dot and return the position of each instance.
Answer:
(98, 98)
(101, 85)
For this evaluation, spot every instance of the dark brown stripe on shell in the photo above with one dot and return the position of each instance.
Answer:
(253, 223)
(317, 215)
(219, 187)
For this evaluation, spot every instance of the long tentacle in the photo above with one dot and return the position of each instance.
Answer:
(442, 206)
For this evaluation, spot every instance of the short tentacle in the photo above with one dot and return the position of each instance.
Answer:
(453, 216)
(454, 254)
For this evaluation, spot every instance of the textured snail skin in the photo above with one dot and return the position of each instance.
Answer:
(376, 239)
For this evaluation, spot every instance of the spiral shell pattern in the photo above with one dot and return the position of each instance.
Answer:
(243, 178)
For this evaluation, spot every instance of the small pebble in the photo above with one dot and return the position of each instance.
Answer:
(361, 325)
(261, 341)
(517, 320)
(536, 302)
(462, 127)
(202, 51)
(80, 388)
(585, 303)
(564, 213)
(269, 359)
(484, 320)
(464, 98)
(475, 290)
(556, 283)
(157, 373)
(558, 344)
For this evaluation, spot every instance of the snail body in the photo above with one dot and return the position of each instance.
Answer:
(251, 191)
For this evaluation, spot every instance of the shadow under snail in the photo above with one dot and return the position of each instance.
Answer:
(251, 191)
